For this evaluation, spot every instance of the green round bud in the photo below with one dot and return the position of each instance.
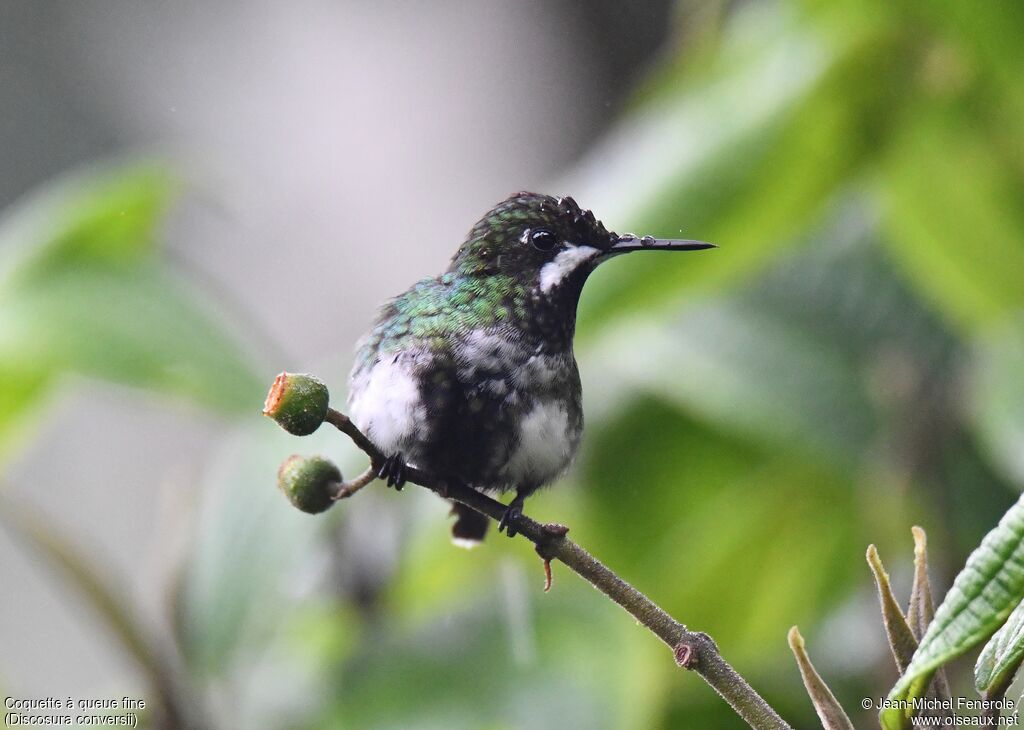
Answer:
(298, 402)
(309, 482)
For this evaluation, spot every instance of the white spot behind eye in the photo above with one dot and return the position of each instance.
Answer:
(567, 261)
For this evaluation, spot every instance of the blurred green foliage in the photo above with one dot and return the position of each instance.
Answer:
(84, 290)
(849, 362)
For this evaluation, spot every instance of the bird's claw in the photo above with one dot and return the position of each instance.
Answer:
(393, 470)
(510, 517)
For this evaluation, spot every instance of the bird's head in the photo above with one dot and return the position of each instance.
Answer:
(548, 245)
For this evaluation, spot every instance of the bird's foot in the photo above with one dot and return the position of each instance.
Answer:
(393, 470)
(511, 516)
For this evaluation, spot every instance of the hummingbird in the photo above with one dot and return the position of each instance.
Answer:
(470, 375)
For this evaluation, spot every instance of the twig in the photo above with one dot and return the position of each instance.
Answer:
(347, 489)
(693, 650)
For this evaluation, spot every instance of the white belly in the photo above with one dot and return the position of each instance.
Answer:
(385, 404)
(546, 445)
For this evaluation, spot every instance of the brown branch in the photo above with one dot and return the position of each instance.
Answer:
(692, 650)
(993, 706)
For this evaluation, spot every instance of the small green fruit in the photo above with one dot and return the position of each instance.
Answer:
(309, 482)
(298, 402)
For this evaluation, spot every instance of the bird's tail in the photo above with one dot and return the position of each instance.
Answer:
(470, 526)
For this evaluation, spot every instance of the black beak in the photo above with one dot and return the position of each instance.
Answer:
(628, 242)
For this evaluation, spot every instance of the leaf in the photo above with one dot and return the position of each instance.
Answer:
(903, 641)
(997, 396)
(830, 712)
(249, 546)
(920, 610)
(103, 216)
(987, 34)
(85, 291)
(689, 161)
(22, 390)
(753, 182)
(901, 638)
(769, 530)
(792, 360)
(139, 326)
(983, 595)
(724, 354)
(766, 361)
(495, 657)
(999, 661)
(955, 222)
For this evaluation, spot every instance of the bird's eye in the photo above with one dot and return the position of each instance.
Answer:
(543, 239)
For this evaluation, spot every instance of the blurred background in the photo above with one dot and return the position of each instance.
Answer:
(196, 196)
